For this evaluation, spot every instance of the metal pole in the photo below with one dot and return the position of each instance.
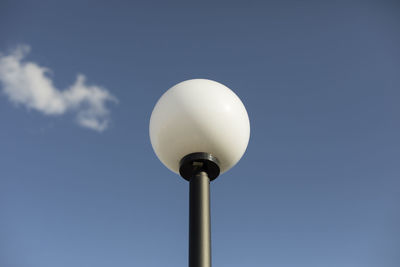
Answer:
(199, 221)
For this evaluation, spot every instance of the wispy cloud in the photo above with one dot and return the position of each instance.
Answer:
(28, 84)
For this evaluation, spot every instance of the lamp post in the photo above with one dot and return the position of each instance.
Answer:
(199, 128)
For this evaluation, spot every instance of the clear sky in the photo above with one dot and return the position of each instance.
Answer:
(319, 185)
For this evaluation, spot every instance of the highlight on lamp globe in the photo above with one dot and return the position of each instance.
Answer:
(199, 115)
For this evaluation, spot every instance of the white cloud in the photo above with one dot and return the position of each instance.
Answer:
(28, 84)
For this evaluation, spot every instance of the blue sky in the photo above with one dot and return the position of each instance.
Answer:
(318, 185)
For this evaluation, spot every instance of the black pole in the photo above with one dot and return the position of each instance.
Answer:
(199, 169)
(199, 221)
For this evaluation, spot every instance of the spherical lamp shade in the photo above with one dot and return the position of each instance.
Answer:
(199, 116)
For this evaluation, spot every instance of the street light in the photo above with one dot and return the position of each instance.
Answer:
(199, 128)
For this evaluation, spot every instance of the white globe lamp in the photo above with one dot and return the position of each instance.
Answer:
(199, 128)
(199, 115)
